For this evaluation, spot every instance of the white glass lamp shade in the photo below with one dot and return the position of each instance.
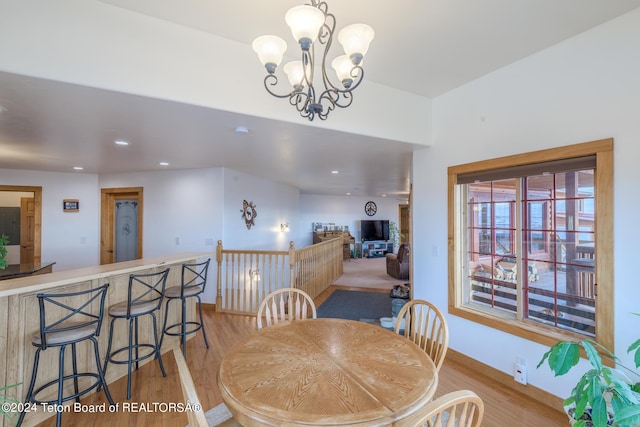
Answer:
(294, 72)
(355, 39)
(305, 22)
(270, 49)
(343, 66)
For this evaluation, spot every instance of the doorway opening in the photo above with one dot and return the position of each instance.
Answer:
(120, 224)
(405, 223)
(28, 237)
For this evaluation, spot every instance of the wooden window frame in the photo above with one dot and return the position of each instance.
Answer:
(604, 271)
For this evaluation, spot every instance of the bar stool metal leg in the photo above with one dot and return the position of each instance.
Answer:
(79, 323)
(194, 280)
(150, 290)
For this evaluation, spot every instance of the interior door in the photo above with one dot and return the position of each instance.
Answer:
(126, 230)
(36, 192)
(27, 229)
(121, 221)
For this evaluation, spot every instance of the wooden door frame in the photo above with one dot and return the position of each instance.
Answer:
(107, 222)
(37, 226)
(27, 204)
(401, 208)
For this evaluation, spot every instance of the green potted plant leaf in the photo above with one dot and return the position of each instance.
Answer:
(5, 404)
(394, 235)
(604, 396)
(4, 241)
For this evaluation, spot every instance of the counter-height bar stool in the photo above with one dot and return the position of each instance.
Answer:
(144, 298)
(68, 319)
(194, 280)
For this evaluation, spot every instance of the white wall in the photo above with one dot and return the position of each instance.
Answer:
(96, 44)
(275, 203)
(197, 206)
(342, 210)
(71, 239)
(181, 212)
(583, 89)
(179, 205)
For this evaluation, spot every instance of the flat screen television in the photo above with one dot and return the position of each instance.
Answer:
(374, 229)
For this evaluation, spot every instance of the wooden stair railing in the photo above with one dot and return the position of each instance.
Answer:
(245, 277)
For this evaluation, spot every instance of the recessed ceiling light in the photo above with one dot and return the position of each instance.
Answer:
(335, 172)
(121, 142)
(241, 129)
(384, 195)
(164, 163)
(78, 168)
(348, 194)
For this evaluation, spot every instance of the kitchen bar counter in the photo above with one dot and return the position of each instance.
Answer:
(29, 269)
(19, 319)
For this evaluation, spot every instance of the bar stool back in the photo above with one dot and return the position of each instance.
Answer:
(144, 297)
(194, 280)
(78, 323)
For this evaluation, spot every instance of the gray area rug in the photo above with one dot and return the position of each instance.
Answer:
(356, 305)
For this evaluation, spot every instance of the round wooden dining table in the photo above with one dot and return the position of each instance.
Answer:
(326, 372)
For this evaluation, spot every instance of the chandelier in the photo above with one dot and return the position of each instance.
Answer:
(313, 26)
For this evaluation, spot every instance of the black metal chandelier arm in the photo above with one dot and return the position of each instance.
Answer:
(327, 107)
(342, 98)
(327, 30)
(308, 67)
(300, 100)
(331, 98)
(358, 75)
(272, 80)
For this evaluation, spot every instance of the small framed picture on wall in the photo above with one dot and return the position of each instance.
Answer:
(71, 205)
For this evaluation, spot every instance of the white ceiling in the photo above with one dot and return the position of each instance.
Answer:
(427, 47)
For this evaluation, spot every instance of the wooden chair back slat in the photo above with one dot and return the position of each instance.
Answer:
(284, 305)
(425, 325)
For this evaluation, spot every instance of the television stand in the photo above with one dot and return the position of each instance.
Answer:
(376, 249)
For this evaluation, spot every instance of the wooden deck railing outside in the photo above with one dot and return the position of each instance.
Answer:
(245, 277)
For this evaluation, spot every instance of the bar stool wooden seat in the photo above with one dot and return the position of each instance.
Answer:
(68, 319)
(194, 280)
(144, 298)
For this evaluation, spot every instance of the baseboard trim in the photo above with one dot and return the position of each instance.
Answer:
(533, 392)
(208, 306)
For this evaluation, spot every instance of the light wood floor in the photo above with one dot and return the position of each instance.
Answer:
(503, 406)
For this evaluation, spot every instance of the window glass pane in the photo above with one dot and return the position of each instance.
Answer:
(541, 245)
(491, 234)
(524, 236)
(575, 184)
(504, 190)
(557, 239)
(540, 187)
(562, 295)
(505, 242)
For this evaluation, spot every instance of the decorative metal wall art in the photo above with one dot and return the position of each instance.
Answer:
(370, 208)
(249, 213)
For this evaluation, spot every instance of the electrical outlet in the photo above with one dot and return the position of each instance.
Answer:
(520, 373)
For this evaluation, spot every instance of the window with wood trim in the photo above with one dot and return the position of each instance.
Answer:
(526, 232)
